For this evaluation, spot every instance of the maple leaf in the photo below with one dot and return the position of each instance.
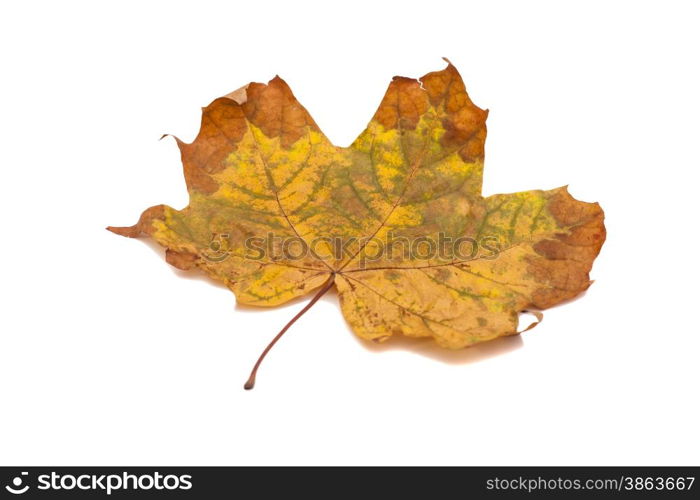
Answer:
(396, 222)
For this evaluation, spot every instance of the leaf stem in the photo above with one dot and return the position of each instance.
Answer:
(250, 383)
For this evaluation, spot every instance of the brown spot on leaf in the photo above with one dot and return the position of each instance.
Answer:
(402, 105)
(392, 274)
(562, 280)
(567, 260)
(223, 126)
(443, 274)
(568, 211)
(585, 230)
(274, 110)
(181, 260)
(464, 122)
(144, 225)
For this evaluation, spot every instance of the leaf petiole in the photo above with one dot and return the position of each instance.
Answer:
(250, 383)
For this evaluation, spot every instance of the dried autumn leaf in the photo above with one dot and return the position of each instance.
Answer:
(276, 211)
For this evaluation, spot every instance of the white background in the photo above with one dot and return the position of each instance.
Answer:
(110, 356)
